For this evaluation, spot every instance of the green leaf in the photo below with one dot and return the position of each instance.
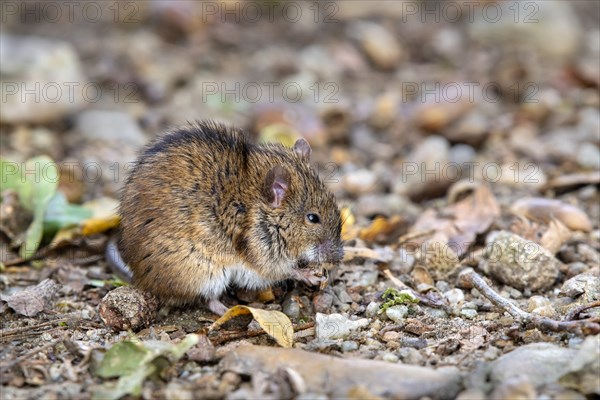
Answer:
(122, 359)
(60, 214)
(133, 362)
(40, 175)
(127, 384)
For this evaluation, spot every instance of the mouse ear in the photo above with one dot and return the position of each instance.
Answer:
(302, 149)
(276, 185)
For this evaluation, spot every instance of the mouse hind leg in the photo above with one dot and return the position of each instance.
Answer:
(217, 307)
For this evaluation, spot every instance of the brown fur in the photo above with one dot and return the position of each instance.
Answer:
(199, 201)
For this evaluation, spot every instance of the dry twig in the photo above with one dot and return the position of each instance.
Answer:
(236, 335)
(591, 326)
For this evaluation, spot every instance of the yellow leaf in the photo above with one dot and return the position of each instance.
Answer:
(99, 225)
(348, 221)
(275, 323)
(104, 218)
(380, 228)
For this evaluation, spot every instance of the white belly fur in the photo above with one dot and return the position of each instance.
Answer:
(234, 276)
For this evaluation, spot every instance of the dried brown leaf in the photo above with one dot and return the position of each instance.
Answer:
(556, 235)
(34, 299)
(458, 224)
(275, 323)
(545, 210)
(381, 229)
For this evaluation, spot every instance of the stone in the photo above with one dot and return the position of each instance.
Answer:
(471, 129)
(110, 126)
(588, 156)
(378, 43)
(381, 204)
(372, 309)
(391, 335)
(520, 263)
(550, 28)
(337, 377)
(454, 296)
(541, 363)
(545, 311)
(397, 313)
(536, 302)
(42, 79)
(431, 154)
(410, 355)
(583, 371)
(323, 302)
(359, 182)
(468, 313)
(290, 307)
(107, 142)
(349, 345)
(336, 326)
(586, 285)
(389, 357)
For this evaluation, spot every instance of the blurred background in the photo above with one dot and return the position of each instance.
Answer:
(385, 91)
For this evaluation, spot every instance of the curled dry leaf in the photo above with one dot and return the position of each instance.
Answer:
(349, 232)
(422, 278)
(33, 299)
(544, 210)
(556, 235)
(458, 224)
(275, 323)
(381, 229)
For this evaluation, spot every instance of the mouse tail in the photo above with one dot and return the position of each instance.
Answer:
(116, 262)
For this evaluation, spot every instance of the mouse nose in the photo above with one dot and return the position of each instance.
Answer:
(332, 251)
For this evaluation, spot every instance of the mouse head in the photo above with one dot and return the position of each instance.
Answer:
(306, 214)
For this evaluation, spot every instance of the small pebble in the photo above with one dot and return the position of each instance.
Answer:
(342, 295)
(360, 182)
(515, 294)
(336, 326)
(536, 302)
(454, 296)
(397, 313)
(323, 302)
(442, 286)
(368, 278)
(545, 311)
(376, 324)
(391, 335)
(349, 345)
(389, 357)
(372, 309)
(576, 268)
(492, 353)
(437, 313)
(468, 313)
(411, 356)
(291, 308)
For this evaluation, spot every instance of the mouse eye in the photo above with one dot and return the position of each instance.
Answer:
(313, 218)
